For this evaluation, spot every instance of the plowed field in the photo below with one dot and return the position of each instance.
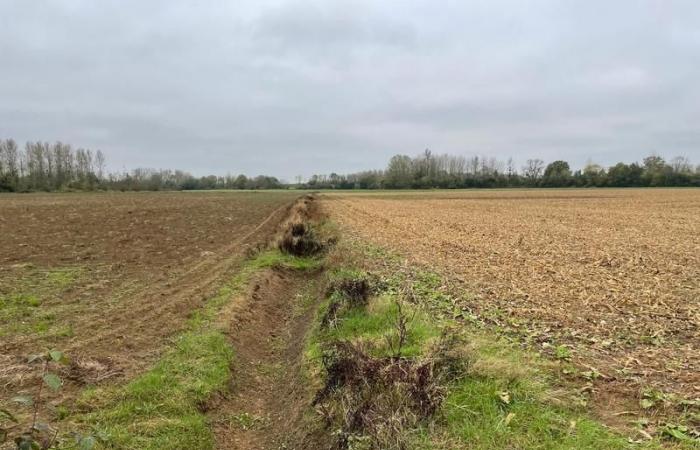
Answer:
(611, 277)
(108, 278)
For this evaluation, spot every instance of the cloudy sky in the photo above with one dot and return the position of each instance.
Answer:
(300, 87)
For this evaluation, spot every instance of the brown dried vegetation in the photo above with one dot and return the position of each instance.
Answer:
(380, 398)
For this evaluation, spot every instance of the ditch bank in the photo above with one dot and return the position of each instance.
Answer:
(267, 403)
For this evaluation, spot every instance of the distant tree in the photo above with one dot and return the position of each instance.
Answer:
(593, 175)
(681, 164)
(557, 174)
(399, 172)
(241, 182)
(100, 164)
(511, 171)
(656, 171)
(532, 171)
(618, 175)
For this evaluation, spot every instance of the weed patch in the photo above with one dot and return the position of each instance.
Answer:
(24, 304)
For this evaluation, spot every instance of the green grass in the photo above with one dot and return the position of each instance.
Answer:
(504, 400)
(162, 408)
(27, 300)
(275, 258)
(374, 324)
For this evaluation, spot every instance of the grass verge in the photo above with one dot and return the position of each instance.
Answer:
(164, 407)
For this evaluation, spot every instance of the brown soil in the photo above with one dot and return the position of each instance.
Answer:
(146, 260)
(269, 394)
(269, 400)
(613, 274)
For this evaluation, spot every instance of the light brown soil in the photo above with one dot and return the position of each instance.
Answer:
(612, 274)
(146, 261)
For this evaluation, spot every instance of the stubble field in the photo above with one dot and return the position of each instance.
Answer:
(607, 279)
(108, 278)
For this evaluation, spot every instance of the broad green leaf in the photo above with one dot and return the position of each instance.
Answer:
(26, 442)
(53, 381)
(57, 356)
(677, 433)
(23, 400)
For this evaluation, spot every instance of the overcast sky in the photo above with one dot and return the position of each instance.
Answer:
(301, 87)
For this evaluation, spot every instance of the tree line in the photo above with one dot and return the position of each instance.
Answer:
(41, 166)
(428, 170)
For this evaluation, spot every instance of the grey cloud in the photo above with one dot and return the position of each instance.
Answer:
(292, 87)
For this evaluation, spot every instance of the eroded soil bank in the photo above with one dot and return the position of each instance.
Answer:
(268, 403)
(268, 398)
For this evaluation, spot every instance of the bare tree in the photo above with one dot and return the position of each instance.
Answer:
(533, 169)
(100, 164)
(681, 164)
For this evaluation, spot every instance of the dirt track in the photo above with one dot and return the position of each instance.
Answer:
(269, 394)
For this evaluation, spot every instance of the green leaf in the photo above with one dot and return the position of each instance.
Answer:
(7, 415)
(23, 400)
(26, 442)
(676, 432)
(58, 356)
(53, 381)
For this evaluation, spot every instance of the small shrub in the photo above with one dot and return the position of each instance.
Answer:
(378, 397)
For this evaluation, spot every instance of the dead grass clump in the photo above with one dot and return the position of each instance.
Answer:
(298, 236)
(300, 240)
(15, 371)
(347, 290)
(376, 398)
(356, 290)
(84, 370)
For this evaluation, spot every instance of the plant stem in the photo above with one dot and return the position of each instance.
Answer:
(38, 395)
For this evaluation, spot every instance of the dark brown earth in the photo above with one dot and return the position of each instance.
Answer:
(145, 262)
